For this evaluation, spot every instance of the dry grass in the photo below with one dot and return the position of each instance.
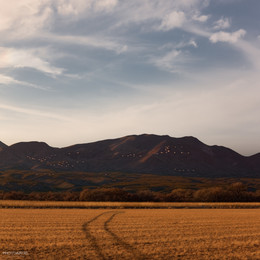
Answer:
(123, 205)
(130, 233)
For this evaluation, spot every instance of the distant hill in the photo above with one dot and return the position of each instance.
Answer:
(159, 155)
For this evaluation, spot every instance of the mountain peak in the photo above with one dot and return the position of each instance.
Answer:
(31, 143)
(31, 147)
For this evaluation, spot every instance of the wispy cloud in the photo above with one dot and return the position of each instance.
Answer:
(174, 57)
(179, 45)
(27, 18)
(173, 20)
(90, 41)
(168, 61)
(26, 58)
(174, 61)
(158, 14)
(77, 7)
(105, 5)
(200, 18)
(227, 37)
(222, 23)
(6, 80)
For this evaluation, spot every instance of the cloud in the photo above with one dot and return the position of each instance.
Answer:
(7, 80)
(190, 4)
(201, 18)
(180, 45)
(77, 7)
(222, 23)
(68, 7)
(156, 14)
(227, 37)
(174, 57)
(91, 41)
(174, 61)
(105, 5)
(24, 18)
(30, 58)
(31, 18)
(193, 43)
(173, 20)
(167, 61)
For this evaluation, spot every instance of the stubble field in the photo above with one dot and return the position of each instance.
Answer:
(129, 233)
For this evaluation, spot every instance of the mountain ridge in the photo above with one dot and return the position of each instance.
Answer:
(146, 153)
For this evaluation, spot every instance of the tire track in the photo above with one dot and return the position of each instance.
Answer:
(136, 254)
(92, 239)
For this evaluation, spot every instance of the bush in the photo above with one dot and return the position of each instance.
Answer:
(147, 195)
(180, 195)
(14, 195)
(104, 194)
(215, 194)
(236, 192)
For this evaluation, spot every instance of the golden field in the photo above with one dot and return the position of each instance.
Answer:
(129, 233)
(123, 205)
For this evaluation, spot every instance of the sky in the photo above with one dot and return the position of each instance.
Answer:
(78, 71)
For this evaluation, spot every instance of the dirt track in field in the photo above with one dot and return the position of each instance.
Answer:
(89, 228)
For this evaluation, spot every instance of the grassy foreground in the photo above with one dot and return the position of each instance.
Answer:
(110, 234)
(123, 205)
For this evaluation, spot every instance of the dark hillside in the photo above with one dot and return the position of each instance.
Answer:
(2, 146)
(160, 155)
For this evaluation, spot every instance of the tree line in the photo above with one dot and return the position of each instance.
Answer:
(236, 192)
